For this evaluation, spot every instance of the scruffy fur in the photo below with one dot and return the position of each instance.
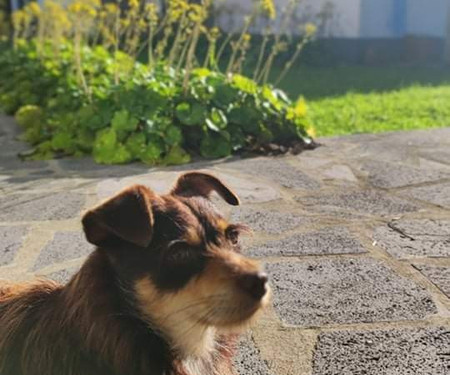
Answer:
(164, 292)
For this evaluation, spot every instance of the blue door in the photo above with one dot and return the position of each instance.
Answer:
(383, 18)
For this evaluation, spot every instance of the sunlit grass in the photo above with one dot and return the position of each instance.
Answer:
(348, 100)
(405, 109)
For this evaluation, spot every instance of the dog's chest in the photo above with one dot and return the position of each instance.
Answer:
(193, 366)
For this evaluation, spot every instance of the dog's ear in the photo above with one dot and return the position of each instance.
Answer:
(127, 216)
(202, 184)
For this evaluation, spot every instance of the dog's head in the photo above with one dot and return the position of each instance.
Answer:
(179, 256)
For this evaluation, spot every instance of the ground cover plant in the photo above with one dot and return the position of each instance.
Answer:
(369, 99)
(76, 85)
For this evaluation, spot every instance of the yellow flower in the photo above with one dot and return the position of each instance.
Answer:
(298, 111)
(34, 8)
(214, 33)
(311, 131)
(300, 107)
(111, 8)
(310, 29)
(246, 37)
(269, 8)
(133, 3)
(75, 8)
(18, 17)
(152, 13)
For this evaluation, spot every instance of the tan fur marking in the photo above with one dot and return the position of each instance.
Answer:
(210, 301)
(170, 313)
(192, 237)
(222, 225)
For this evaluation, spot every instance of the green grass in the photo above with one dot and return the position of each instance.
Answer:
(405, 109)
(348, 100)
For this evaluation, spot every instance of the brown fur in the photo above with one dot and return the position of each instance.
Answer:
(121, 314)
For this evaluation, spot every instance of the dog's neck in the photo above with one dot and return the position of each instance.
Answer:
(98, 311)
(95, 299)
(198, 343)
(187, 337)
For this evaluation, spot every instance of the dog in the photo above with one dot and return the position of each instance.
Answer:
(165, 292)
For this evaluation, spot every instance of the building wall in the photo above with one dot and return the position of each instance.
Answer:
(377, 19)
(352, 18)
(398, 18)
(343, 18)
(427, 18)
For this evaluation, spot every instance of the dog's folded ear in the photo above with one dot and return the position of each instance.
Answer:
(193, 184)
(127, 217)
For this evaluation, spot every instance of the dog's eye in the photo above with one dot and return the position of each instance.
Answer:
(179, 253)
(233, 232)
(232, 235)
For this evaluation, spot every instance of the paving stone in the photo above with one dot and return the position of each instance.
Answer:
(401, 146)
(63, 276)
(42, 172)
(161, 182)
(345, 291)
(248, 359)
(438, 194)
(10, 148)
(440, 276)
(423, 351)
(268, 221)
(277, 170)
(390, 175)
(327, 241)
(89, 168)
(309, 162)
(32, 207)
(64, 246)
(11, 239)
(439, 155)
(415, 237)
(356, 202)
(9, 163)
(420, 138)
(250, 191)
(339, 173)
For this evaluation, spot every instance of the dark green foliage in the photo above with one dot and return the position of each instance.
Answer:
(144, 115)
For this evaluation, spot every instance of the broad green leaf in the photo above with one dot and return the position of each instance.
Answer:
(191, 113)
(124, 121)
(244, 84)
(151, 154)
(247, 117)
(108, 151)
(225, 95)
(136, 144)
(219, 118)
(176, 155)
(215, 145)
(63, 141)
(201, 72)
(29, 115)
(173, 135)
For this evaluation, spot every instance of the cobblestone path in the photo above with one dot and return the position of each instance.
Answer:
(355, 236)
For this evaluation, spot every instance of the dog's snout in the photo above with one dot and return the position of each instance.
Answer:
(254, 284)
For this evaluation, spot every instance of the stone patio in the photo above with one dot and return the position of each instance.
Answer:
(355, 236)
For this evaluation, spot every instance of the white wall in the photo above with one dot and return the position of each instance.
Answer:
(343, 22)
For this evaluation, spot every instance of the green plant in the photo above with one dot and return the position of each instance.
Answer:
(147, 115)
(90, 95)
(5, 25)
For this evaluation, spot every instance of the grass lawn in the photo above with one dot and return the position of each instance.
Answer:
(348, 100)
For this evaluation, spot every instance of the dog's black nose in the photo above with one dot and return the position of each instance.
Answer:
(254, 284)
